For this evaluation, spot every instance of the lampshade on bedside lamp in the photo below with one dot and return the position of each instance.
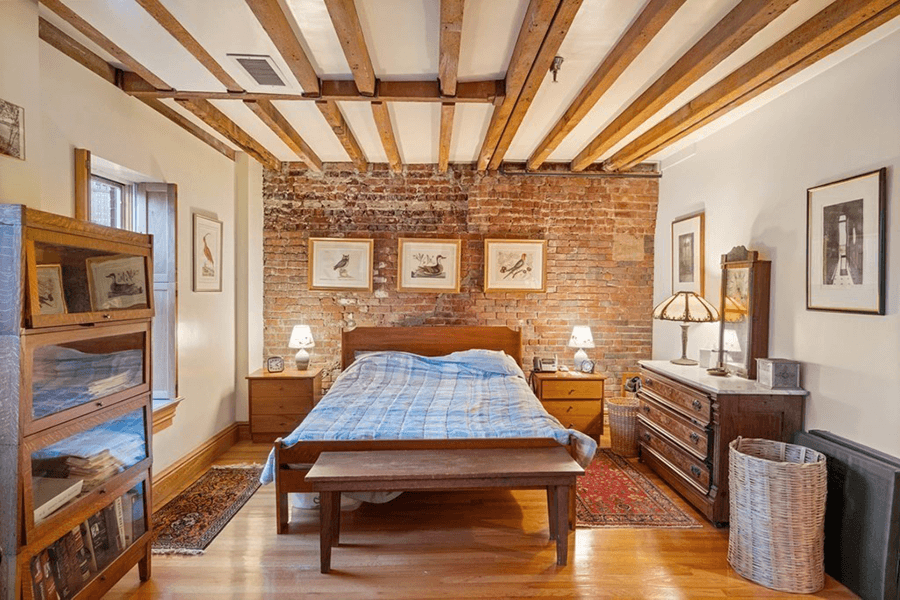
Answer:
(301, 337)
(581, 338)
(686, 307)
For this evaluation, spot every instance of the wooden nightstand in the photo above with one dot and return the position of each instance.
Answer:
(280, 401)
(576, 399)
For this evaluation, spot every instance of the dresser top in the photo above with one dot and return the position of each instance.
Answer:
(696, 377)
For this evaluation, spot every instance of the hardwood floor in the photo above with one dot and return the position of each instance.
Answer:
(491, 544)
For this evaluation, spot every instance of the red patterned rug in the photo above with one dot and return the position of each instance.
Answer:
(613, 493)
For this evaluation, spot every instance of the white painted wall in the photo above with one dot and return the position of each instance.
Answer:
(751, 179)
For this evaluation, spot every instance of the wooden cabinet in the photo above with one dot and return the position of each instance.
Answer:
(687, 419)
(576, 399)
(280, 401)
(75, 412)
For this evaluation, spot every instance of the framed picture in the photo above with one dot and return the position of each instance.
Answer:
(116, 282)
(515, 265)
(845, 245)
(340, 264)
(428, 265)
(688, 254)
(207, 254)
(12, 130)
(50, 290)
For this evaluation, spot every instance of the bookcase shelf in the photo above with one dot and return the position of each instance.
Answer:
(76, 417)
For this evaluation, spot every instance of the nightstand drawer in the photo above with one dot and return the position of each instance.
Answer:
(284, 404)
(281, 424)
(277, 389)
(571, 390)
(584, 415)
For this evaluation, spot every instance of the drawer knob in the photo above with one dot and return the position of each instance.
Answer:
(645, 437)
(695, 470)
(648, 381)
(695, 438)
(646, 409)
(697, 405)
(570, 409)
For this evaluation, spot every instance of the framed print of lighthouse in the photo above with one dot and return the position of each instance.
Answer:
(845, 245)
(515, 265)
(340, 264)
(207, 254)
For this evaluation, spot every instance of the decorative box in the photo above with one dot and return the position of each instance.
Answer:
(778, 373)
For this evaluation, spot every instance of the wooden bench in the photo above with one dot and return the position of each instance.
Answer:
(387, 470)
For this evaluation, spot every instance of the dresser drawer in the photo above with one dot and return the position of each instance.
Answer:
(584, 415)
(690, 435)
(277, 389)
(694, 471)
(693, 403)
(567, 390)
(281, 424)
(284, 404)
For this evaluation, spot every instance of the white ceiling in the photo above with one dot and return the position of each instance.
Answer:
(403, 41)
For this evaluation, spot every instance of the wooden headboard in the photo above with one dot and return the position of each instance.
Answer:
(430, 341)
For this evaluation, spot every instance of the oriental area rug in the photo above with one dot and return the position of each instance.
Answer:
(613, 493)
(188, 523)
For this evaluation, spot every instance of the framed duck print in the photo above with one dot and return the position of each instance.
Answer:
(426, 265)
(688, 254)
(340, 264)
(515, 265)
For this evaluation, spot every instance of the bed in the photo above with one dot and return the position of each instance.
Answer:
(480, 401)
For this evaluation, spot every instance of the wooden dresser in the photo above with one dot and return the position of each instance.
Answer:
(576, 399)
(687, 419)
(280, 401)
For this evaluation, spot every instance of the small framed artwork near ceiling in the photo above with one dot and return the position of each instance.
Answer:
(688, 254)
(845, 245)
(340, 264)
(426, 265)
(207, 254)
(515, 265)
(12, 130)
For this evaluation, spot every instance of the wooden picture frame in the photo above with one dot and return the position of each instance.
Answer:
(51, 297)
(341, 264)
(117, 282)
(515, 265)
(845, 244)
(428, 265)
(12, 130)
(689, 254)
(207, 254)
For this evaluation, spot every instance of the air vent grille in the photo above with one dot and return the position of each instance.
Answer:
(261, 68)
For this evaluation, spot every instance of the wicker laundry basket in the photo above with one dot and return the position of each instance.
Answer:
(623, 426)
(777, 522)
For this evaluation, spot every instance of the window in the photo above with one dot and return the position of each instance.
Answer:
(111, 203)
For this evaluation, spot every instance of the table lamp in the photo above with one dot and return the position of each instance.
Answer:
(686, 307)
(301, 337)
(581, 338)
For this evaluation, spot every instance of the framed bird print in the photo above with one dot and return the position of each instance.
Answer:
(515, 265)
(207, 254)
(428, 265)
(340, 264)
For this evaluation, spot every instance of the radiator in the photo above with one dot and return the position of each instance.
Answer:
(862, 515)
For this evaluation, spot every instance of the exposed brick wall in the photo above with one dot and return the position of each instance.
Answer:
(599, 264)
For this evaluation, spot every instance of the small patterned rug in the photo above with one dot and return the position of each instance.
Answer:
(613, 493)
(188, 523)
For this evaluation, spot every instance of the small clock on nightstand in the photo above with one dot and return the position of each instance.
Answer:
(275, 364)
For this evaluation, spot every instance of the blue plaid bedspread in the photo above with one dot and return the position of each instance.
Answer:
(464, 395)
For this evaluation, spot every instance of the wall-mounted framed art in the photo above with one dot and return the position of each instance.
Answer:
(428, 265)
(845, 245)
(207, 254)
(688, 254)
(341, 264)
(515, 265)
(50, 290)
(12, 130)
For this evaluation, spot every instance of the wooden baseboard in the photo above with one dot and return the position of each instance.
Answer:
(243, 431)
(179, 475)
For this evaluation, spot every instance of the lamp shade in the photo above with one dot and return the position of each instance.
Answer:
(301, 337)
(581, 337)
(686, 307)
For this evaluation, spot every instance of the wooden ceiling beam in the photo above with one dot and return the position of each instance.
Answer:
(268, 114)
(447, 113)
(212, 116)
(563, 19)
(189, 126)
(54, 36)
(275, 22)
(451, 34)
(386, 133)
(168, 22)
(538, 17)
(743, 22)
(341, 129)
(837, 25)
(655, 14)
(86, 29)
(349, 31)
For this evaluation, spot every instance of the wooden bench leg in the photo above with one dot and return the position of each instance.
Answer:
(336, 518)
(562, 521)
(573, 509)
(281, 512)
(551, 510)
(326, 532)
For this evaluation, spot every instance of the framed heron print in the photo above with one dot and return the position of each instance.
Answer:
(207, 254)
(340, 264)
(515, 265)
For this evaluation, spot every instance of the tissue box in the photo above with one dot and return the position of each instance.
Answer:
(778, 373)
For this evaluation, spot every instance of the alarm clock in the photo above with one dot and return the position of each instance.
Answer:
(587, 366)
(275, 364)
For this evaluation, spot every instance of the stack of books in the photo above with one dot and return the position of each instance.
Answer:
(94, 469)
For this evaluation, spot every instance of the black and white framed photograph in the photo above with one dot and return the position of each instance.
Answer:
(845, 246)
(12, 130)
(340, 264)
(428, 265)
(688, 254)
(50, 290)
(207, 254)
(117, 282)
(515, 265)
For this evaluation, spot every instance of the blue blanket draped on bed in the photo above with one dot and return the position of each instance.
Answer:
(396, 395)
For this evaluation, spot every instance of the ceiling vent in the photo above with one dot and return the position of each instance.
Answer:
(261, 68)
